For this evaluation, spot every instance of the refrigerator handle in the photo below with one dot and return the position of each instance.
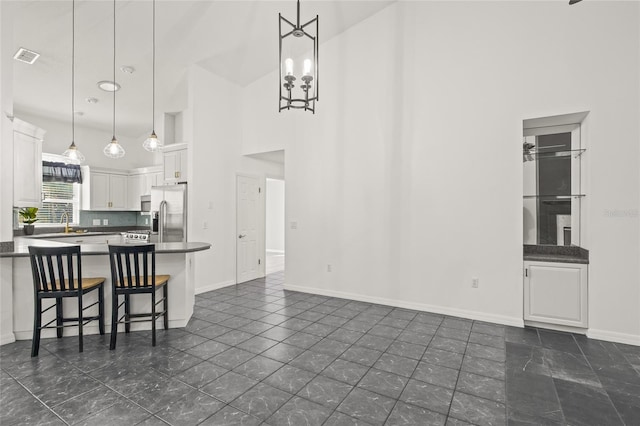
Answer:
(162, 220)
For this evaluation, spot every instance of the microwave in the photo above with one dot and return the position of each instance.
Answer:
(145, 203)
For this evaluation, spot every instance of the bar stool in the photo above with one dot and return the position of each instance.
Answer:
(57, 273)
(126, 281)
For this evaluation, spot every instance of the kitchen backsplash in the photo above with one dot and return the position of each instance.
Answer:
(113, 218)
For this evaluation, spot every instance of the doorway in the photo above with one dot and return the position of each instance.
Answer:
(274, 226)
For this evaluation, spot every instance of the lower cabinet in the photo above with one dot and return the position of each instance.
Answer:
(555, 293)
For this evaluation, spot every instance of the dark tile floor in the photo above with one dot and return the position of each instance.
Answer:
(257, 355)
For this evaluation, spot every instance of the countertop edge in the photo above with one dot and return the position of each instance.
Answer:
(555, 258)
(92, 250)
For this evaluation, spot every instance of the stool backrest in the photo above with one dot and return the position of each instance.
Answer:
(56, 269)
(130, 265)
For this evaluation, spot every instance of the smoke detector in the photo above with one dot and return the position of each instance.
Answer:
(25, 55)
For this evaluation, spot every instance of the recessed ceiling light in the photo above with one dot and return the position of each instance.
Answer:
(92, 100)
(25, 55)
(127, 69)
(109, 86)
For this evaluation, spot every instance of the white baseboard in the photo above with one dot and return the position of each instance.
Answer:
(7, 338)
(216, 286)
(270, 251)
(613, 336)
(443, 310)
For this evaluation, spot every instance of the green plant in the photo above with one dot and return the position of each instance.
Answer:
(28, 214)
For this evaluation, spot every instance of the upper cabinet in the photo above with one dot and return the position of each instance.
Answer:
(140, 182)
(105, 191)
(175, 163)
(27, 164)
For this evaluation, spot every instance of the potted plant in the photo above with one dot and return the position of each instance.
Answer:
(28, 216)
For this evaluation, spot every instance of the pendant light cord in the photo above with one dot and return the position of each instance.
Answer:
(73, 67)
(153, 79)
(114, 68)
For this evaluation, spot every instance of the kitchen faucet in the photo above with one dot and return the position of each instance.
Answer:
(66, 226)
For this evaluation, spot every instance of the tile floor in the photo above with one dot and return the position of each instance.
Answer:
(257, 355)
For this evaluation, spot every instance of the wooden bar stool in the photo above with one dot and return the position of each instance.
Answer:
(132, 274)
(57, 273)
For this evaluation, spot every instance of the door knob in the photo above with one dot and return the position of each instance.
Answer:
(241, 236)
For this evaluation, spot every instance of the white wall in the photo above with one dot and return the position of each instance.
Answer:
(275, 215)
(408, 179)
(213, 121)
(91, 142)
(6, 171)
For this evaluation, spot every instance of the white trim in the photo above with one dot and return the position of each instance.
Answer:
(614, 336)
(556, 327)
(7, 338)
(461, 313)
(272, 251)
(215, 286)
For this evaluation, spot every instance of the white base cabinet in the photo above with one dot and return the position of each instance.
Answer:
(556, 293)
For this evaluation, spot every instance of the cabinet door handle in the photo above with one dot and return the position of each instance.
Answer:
(526, 272)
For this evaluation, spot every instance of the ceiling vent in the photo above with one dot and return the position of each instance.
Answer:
(26, 56)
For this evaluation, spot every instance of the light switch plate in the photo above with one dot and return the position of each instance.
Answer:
(105, 221)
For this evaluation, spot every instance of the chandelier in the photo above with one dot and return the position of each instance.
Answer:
(300, 40)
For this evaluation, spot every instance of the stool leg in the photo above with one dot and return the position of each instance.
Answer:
(153, 317)
(127, 324)
(59, 317)
(80, 322)
(37, 323)
(101, 309)
(166, 307)
(114, 320)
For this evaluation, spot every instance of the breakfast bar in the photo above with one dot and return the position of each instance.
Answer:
(174, 258)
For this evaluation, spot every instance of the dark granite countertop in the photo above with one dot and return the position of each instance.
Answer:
(560, 254)
(20, 246)
(59, 230)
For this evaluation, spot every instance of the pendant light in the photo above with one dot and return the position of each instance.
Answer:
(307, 36)
(152, 143)
(113, 148)
(72, 152)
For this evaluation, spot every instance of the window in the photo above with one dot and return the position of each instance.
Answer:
(57, 198)
(60, 191)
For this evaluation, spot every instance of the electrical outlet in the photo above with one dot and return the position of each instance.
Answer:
(205, 225)
(96, 222)
(105, 222)
(475, 282)
(294, 225)
(329, 268)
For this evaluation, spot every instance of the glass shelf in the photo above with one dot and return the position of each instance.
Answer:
(542, 155)
(556, 197)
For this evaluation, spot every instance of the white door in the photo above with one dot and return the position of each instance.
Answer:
(247, 226)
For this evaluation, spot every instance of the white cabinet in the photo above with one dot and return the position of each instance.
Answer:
(27, 164)
(555, 294)
(140, 182)
(134, 191)
(175, 162)
(107, 191)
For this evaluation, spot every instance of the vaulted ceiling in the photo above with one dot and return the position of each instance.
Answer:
(236, 40)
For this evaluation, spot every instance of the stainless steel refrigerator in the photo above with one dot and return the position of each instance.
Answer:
(169, 213)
